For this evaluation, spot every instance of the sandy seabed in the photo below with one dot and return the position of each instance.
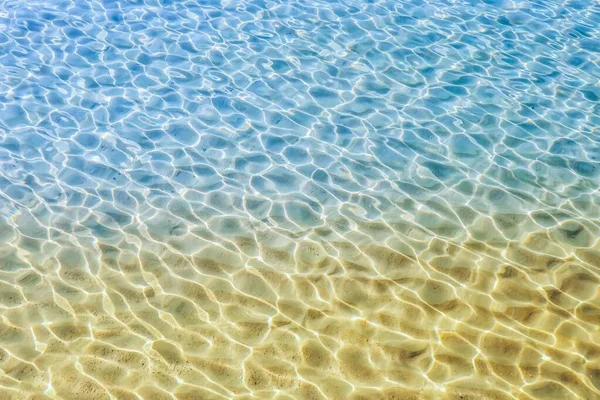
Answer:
(359, 310)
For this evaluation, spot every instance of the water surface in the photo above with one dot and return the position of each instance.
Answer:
(299, 199)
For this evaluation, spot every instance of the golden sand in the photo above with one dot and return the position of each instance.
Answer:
(383, 311)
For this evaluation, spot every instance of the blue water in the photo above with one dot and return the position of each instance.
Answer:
(148, 145)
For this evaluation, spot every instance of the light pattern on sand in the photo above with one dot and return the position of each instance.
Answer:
(299, 199)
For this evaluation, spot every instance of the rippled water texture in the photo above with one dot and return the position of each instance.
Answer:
(299, 199)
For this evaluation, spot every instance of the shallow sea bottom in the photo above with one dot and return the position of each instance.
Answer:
(381, 311)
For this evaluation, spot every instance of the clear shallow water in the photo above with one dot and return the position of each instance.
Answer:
(303, 200)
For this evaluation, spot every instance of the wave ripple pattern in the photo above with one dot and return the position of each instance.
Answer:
(299, 199)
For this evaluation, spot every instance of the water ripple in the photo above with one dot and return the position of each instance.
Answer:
(328, 199)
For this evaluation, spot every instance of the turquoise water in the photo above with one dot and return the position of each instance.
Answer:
(317, 199)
